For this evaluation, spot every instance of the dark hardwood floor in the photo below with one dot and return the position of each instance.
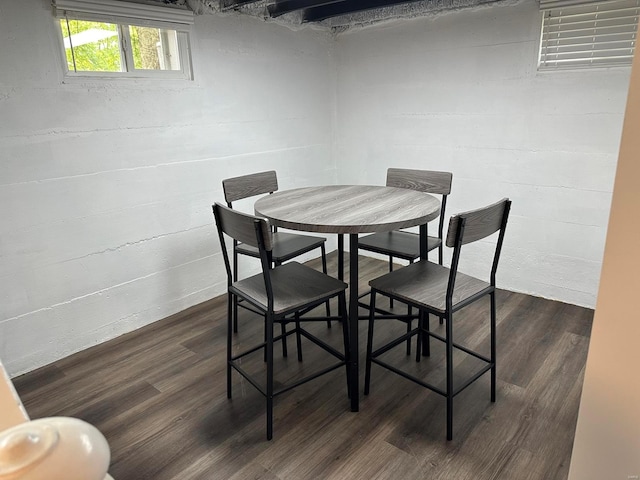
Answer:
(159, 397)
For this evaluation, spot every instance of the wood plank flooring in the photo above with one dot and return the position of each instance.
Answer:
(159, 397)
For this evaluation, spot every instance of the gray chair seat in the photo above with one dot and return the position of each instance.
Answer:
(285, 246)
(424, 284)
(400, 244)
(294, 287)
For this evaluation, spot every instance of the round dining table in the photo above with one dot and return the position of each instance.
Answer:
(352, 210)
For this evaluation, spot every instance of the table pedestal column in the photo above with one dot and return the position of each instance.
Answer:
(353, 321)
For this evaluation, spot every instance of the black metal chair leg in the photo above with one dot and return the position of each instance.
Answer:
(298, 337)
(269, 354)
(367, 376)
(449, 360)
(440, 253)
(441, 319)
(235, 299)
(283, 330)
(324, 270)
(426, 347)
(342, 301)
(391, 270)
(419, 336)
(493, 346)
(409, 321)
(229, 342)
(264, 352)
(283, 327)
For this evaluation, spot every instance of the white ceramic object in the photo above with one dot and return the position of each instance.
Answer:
(55, 448)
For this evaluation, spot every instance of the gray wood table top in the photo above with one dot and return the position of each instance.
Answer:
(348, 209)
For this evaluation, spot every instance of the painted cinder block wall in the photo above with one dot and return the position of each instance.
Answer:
(106, 186)
(461, 92)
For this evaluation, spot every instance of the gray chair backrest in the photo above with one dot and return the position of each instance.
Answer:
(428, 181)
(479, 223)
(246, 186)
(242, 227)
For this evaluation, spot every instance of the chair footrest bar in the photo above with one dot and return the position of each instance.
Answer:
(409, 377)
(458, 346)
(309, 378)
(394, 343)
(390, 316)
(428, 385)
(472, 353)
(247, 352)
(295, 384)
(262, 345)
(410, 334)
(324, 318)
(472, 379)
(325, 346)
(249, 378)
(311, 307)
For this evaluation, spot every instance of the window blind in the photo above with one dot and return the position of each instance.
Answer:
(121, 11)
(588, 34)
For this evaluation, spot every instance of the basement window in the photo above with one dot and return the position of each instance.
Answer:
(113, 38)
(586, 35)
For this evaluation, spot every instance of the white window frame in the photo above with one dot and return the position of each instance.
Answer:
(581, 34)
(125, 14)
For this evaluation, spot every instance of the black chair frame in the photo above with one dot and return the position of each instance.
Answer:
(294, 316)
(435, 182)
(424, 333)
(270, 179)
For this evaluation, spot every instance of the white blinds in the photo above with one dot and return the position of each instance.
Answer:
(121, 11)
(591, 34)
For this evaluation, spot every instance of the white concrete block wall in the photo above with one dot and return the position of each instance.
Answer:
(461, 92)
(106, 186)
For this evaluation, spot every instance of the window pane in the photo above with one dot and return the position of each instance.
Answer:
(154, 48)
(91, 46)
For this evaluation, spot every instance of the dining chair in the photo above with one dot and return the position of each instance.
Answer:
(403, 244)
(282, 294)
(286, 246)
(434, 289)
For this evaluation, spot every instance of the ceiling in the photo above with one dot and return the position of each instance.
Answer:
(337, 15)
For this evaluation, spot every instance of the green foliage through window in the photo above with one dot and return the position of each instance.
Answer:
(92, 46)
(154, 48)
